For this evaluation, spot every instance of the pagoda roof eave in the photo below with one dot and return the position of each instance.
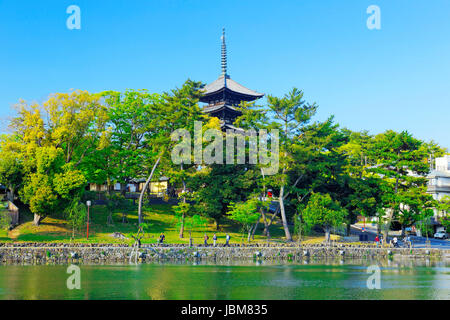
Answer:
(219, 107)
(225, 82)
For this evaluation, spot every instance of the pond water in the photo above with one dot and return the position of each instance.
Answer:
(317, 280)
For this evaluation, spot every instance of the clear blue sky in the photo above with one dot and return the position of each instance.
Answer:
(394, 78)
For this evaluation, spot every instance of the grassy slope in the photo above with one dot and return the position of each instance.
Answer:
(160, 217)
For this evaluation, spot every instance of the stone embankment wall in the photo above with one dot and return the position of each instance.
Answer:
(112, 253)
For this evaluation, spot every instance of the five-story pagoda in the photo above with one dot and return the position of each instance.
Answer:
(225, 94)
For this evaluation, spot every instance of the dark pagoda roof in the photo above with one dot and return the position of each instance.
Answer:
(219, 107)
(227, 86)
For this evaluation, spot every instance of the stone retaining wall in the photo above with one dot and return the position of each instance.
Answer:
(67, 253)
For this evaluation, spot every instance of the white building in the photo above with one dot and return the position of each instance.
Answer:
(439, 186)
(443, 163)
(439, 179)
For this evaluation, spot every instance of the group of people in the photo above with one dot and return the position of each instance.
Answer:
(395, 242)
(162, 238)
(227, 240)
(378, 240)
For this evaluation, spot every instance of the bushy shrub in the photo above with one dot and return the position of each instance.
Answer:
(5, 219)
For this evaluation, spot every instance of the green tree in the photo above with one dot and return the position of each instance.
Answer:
(365, 196)
(401, 161)
(56, 138)
(177, 110)
(322, 211)
(76, 214)
(195, 223)
(217, 186)
(11, 165)
(182, 210)
(184, 102)
(291, 113)
(246, 214)
(444, 209)
(132, 115)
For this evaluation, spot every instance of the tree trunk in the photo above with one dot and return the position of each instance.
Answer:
(283, 216)
(273, 216)
(141, 196)
(109, 187)
(266, 226)
(391, 214)
(255, 227)
(11, 194)
(123, 188)
(379, 226)
(182, 226)
(184, 201)
(37, 219)
(388, 225)
(327, 234)
(285, 196)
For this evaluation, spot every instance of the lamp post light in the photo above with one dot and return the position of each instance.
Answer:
(88, 203)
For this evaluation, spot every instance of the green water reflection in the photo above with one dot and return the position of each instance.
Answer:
(336, 280)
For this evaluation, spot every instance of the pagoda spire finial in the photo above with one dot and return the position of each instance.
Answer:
(224, 53)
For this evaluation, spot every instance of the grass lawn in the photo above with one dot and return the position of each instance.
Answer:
(160, 217)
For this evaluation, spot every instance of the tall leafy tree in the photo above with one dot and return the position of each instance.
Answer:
(291, 113)
(177, 110)
(132, 116)
(184, 103)
(56, 138)
(401, 161)
(365, 196)
(217, 186)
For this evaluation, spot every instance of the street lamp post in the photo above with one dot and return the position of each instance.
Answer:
(88, 203)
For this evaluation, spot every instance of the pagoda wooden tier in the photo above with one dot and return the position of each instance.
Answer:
(225, 94)
(227, 90)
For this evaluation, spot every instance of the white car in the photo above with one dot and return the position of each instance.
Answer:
(440, 235)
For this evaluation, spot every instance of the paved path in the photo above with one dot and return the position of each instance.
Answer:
(418, 242)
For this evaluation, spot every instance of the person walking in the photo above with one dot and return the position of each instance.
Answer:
(206, 239)
(377, 240)
(395, 242)
(227, 240)
(214, 239)
(408, 241)
(162, 237)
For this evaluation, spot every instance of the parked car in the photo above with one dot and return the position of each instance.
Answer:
(440, 235)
